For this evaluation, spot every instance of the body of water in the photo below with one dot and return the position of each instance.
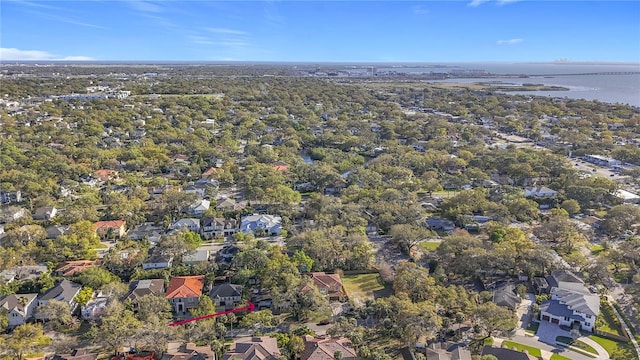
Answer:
(579, 78)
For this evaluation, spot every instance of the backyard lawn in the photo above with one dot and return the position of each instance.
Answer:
(429, 246)
(363, 287)
(521, 347)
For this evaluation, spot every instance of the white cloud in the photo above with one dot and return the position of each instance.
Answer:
(475, 3)
(509, 41)
(200, 40)
(146, 6)
(17, 54)
(227, 31)
(506, 2)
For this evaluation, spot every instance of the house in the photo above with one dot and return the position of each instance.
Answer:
(196, 257)
(95, 307)
(63, 291)
(627, 197)
(22, 273)
(504, 294)
(184, 292)
(228, 205)
(209, 173)
(438, 223)
(12, 213)
(45, 213)
(571, 302)
(255, 348)
(280, 166)
(188, 351)
(78, 354)
(218, 227)
(10, 197)
(104, 175)
(506, 354)
(271, 224)
(227, 295)
(438, 352)
(54, 231)
(540, 192)
(70, 268)
(19, 307)
(148, 230)
(601, 160)
(157, 260)
(329, 285)
(227, 253)
(325, 348)
(198, 207)
(140, 288)
(111, 228)
(191, 224)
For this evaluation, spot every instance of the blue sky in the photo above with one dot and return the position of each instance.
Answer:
(395, 31)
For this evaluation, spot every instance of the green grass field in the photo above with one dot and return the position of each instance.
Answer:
(611, 345)
(361, 288)
(596, 249)
(559, 357)
(429, 246)
(521, 347)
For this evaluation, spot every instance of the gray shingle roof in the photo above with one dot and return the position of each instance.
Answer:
(64, 291)
(226, 290)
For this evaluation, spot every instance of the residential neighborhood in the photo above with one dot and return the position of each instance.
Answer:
(272, 212)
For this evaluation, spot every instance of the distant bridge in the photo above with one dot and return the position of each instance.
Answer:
(595, 73)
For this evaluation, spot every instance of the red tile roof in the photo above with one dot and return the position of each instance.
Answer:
(185, 287)
(111, 224)
(70, 268)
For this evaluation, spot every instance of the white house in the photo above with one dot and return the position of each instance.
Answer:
(95, 307)
(571, 303)
(272, 224)
(198, 207)
(191, 224)
(19, 306)
(157, 260)
(540, 192)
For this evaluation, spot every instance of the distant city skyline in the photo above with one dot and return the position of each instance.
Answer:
(329, 31)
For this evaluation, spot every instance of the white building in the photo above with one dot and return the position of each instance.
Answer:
(272, 224)
(20, 307)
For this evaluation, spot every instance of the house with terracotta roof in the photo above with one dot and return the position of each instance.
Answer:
(184, 292)
(70, 268)
(115, 228)
(329, 285)
(280, 166)
(209, 173)
(325, 348)
(255, 348)
(105, 175)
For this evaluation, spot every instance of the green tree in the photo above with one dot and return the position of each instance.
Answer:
(95, 277)
(409, 235)
(84, 296)
(571, 206)
(25, 339)
(620, 219)
(57, 313)
(116, 326)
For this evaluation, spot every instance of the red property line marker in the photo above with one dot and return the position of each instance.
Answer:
(249, 307)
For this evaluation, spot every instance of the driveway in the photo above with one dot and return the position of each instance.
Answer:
(548, 332)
